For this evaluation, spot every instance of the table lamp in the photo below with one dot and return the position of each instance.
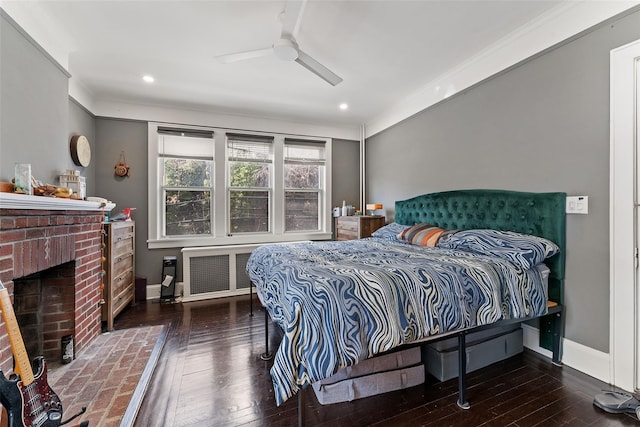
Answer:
(373, 207)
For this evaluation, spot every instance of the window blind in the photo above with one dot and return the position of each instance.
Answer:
(193, 133)
(185, 147)
(249, 148)
(298, 151)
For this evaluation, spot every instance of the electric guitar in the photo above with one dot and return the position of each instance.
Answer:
(27, 397)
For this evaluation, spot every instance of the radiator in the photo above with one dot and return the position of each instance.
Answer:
(215, 271)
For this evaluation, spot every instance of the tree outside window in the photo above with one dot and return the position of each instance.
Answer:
(187, 197)
(186, 162)
(250, 167)
(303, 173)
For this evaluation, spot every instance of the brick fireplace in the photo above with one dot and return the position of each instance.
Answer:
(50, 262)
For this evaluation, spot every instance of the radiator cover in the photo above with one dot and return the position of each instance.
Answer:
(215, 271)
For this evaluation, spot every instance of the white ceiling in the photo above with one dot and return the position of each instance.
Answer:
(384, 50)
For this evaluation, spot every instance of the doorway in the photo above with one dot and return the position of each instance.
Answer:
(624, 217)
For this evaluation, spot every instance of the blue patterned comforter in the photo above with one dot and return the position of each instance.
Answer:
(342, 302)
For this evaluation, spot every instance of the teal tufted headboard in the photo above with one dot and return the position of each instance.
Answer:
(539, 214)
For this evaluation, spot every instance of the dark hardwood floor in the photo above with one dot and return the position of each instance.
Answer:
(210, 374)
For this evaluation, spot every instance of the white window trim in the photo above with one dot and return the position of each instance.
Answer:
(220, 220)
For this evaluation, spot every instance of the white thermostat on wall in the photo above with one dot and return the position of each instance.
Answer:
(578, 204)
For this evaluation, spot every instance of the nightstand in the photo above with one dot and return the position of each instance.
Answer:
(357, 227)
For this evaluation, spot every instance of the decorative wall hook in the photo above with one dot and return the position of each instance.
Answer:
(122, 167)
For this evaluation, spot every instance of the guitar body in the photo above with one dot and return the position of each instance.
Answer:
(35, 405)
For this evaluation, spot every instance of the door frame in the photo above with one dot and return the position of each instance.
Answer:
(623, 132)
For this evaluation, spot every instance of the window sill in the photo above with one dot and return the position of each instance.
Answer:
(234, 240)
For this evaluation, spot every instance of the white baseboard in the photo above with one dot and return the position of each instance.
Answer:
(153, 291)
(585, 359)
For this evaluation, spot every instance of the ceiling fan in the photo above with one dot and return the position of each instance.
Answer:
(286, 47)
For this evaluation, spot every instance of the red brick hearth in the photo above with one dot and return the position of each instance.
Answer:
(53, 246)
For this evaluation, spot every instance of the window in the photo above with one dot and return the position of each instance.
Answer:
(249, 169)
(304, 169)
(186, 167)
(215, 186)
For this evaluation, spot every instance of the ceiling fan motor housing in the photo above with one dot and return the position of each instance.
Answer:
(285, 49)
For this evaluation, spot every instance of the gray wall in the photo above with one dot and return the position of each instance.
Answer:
(345, 162)
(33, 108)
(82, 122)
(541, 126)
(114, 136)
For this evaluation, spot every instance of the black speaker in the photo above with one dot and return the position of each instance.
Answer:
(168, 285)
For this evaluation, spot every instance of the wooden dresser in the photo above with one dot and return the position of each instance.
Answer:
(119, 267)
(357, 227)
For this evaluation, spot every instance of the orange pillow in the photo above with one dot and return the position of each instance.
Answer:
(422, 234)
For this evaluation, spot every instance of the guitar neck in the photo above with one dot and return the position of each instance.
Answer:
(23, 366)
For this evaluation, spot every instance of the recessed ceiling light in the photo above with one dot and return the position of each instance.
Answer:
(148, 79)
(344, 106)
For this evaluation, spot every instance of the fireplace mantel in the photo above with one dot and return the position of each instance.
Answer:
(23, 201)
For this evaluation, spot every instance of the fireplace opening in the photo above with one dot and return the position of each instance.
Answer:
(44, 304)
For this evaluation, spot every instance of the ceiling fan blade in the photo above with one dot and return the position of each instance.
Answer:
(318, 69)
(291, 18)
(241, 56)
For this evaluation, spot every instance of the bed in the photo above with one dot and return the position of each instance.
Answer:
(339, 303)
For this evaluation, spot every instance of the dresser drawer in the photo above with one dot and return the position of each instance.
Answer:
(121, 282)
(342, 234)
(122, 264)
(122, 247)
(357, 227)
(123, 229)
(121, 300)
(347, 223)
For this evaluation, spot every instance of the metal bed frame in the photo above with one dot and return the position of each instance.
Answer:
(556, 311)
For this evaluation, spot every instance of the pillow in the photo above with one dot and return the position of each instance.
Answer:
(523, 249)
(389, 231)
(422, 234)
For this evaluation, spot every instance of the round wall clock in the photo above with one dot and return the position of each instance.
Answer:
(80, 150)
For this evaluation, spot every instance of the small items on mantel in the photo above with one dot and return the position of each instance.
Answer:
(6, 187)
(40, 189)
(71, 179)
(23, 178)
(125, 215)
(71, 184)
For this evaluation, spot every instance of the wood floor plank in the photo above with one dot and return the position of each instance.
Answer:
(210, 374)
